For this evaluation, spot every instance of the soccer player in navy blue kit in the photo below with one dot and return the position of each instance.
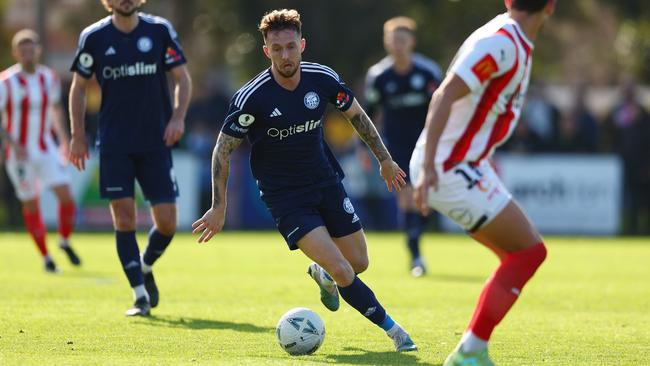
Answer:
(281, 112)
(129, 53)
(401, 85)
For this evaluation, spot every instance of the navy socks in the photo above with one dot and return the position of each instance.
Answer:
(360, 297)
(414, 224)
(157, 245)
(127, 250)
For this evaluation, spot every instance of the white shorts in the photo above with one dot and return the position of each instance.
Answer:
(469, 196)
(31, 176)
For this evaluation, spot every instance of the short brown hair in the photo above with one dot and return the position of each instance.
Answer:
(109, 8)
(400, 23)
(279, 20)
(24, 35)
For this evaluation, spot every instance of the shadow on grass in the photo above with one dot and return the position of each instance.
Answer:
(194, 323)
(363, 357)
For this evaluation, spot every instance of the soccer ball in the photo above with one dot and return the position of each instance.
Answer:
(300, 331)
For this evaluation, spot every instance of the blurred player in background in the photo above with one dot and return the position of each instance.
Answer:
(30, 99)
(129, 53)
(475, 110)
(401, 85)
(281, 112)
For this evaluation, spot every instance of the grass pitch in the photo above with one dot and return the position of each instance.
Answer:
(588, 305)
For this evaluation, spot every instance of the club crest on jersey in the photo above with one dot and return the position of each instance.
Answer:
(145, 44)
(312, 100)
(342, 98)
(347, 206)
(417, 81)
(246, 120)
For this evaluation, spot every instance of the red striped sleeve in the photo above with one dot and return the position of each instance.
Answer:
(24, 112)
(44, 105)
(10, 113)
(485, 105)
(502, 125)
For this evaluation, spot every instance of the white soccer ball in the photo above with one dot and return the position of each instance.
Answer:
(300, 331)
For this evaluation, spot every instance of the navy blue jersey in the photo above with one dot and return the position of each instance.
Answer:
(285, 129)
(403, 98)
(130, 69)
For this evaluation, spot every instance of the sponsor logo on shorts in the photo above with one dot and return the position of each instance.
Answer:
(461, 216)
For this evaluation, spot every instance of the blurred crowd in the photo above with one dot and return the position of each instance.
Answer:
(543, 128)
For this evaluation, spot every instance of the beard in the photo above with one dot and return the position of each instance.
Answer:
(126, 13)
(287, 74)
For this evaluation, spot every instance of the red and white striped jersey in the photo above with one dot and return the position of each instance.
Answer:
(25, 102)
(495, 63)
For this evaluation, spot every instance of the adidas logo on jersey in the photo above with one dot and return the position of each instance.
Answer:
(276, 113)
(110, 51)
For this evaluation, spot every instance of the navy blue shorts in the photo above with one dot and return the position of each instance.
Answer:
(330, 206)
(153, 170)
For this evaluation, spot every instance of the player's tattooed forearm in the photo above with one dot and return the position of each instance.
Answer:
(221, 165)
(366, 129)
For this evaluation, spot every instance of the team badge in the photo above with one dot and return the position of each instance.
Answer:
(342, 98)
(417, 81)
(246, 120)
(347, 206)
(312, 100)
(391, 87)
(86, 60)
(145, 44)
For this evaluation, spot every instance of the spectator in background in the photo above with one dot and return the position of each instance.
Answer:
(541, 116)
(577, 130)
(628, 127)
(204, 119)
(524, 140)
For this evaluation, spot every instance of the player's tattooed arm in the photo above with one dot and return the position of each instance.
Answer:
(367, 131)
(213, 220)
(221, 167)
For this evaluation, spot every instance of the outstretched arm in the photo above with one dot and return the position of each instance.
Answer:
(390, 171)
(213, 220)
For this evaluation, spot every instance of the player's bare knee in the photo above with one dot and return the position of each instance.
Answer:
(360, 264)
(166, 225)
(124, 219)
(342, 272)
